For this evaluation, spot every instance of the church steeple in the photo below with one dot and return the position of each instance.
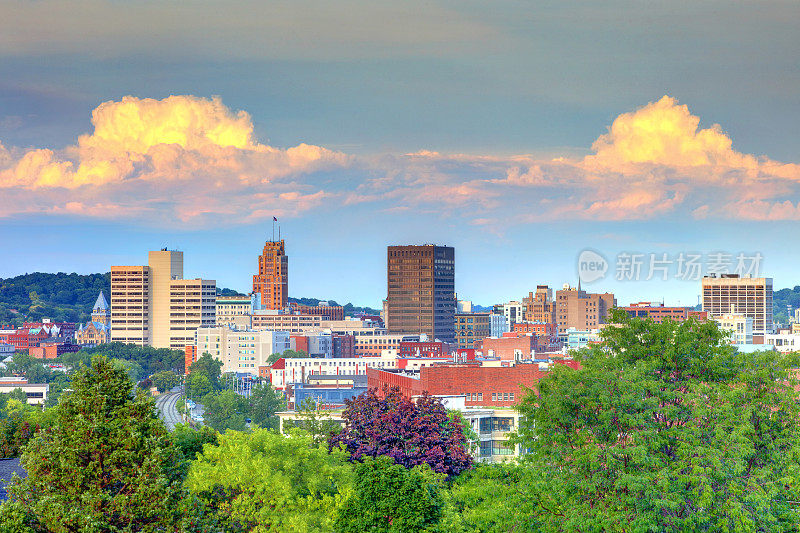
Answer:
(101, 312)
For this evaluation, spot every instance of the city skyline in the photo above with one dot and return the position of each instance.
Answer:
(520, 137)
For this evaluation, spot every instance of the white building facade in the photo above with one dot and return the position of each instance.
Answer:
(241, 351)
(739, 326)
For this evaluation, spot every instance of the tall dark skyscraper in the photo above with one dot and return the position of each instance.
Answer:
(421, 296)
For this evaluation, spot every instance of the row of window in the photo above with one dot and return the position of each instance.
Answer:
(496, 447)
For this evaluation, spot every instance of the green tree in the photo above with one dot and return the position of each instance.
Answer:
(132, 368)
(13, 518)
(286, 354)
(209, 367)
(19, 423)
(187, 442)
(266, 482)
(666, 428)
(197, 386)
(165, 381)
(495, 498)
(102, 465)
(391, 498)
(316, 422)
(225, 410)
(263, 403)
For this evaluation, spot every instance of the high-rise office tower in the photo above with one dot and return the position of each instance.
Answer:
(272, 281)
(154, 306)
(751, 297)
(575, 308)
(421, 296)
(539, 306)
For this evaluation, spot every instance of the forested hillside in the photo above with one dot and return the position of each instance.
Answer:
(783, 298)
(62, 297)
(66, 297)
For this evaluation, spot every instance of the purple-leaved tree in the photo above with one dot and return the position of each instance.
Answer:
(410, 433)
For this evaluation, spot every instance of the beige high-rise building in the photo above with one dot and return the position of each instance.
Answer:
(154, 306)
(575, 308)
(751, 297)
(130, 305)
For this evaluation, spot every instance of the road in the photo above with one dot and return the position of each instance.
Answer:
(167, 406)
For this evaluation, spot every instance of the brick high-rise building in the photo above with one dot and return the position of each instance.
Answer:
(421, 291)
(752, 297)
(539, 306)
(575, 308)
(272, 280)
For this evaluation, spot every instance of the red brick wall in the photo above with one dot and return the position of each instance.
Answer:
(51, 351)
(543, 329)
(379, 379)
(190, 356)
(503, 381)
(300, 343)
(504, 347)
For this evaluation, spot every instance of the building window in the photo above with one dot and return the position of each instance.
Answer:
(486, 448)
(500, 447)
(480, 396)
(494, 396)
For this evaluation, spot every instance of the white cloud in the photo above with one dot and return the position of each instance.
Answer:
(193, 161)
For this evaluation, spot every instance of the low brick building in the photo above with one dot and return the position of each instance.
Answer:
(425, 349)
(542, 329)
(52, 350)
(509, 347)
(481, 386)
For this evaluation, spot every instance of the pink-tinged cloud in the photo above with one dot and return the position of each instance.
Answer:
(653, 162)
(195, 162)
(183, 158)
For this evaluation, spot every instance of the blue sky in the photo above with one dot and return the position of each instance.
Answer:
(520, 134)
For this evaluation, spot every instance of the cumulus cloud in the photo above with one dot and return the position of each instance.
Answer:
(664, 133)
(654, 161)
(171, 139)
(183, 156)
(193, 160)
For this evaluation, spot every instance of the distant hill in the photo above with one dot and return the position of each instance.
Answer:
(783, 298)
(349, 309)
(66, 297)
(61, 297)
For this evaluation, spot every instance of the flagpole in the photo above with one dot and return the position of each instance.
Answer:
(273, 229)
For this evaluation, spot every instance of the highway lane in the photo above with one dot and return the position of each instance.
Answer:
(168, 409)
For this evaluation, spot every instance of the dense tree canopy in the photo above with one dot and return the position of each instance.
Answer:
(61, 297)
(209, 367)
(390, 498)
(151, 360)
(165, 381)
(411, 433)
(782, 301)
(262, 481)
(225, 410)
(665, 428)
(262, 404)
(102, 464)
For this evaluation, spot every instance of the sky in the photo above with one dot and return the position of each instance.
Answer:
(520, 133)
